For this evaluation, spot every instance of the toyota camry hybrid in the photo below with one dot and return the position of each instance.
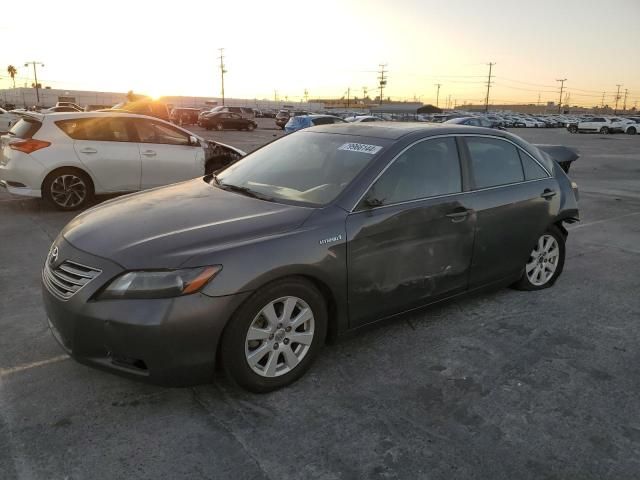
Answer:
(316, 234)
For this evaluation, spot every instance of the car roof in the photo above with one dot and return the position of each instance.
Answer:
(72, 115)
(397, 130)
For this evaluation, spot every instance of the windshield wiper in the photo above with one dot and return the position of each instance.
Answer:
(243, 190)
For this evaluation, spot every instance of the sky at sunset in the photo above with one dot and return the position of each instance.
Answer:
(325, 47)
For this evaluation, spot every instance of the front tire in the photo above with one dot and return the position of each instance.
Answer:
(573, 129)
(631, 131)
(67, 189)
(604, 130)
(273, 338)
(219, 127)
(545, 262)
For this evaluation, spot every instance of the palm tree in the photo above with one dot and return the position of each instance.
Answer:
(12, 71)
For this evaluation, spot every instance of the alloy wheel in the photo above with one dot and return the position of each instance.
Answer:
(279, 336)
(68, 191)
(543, 260)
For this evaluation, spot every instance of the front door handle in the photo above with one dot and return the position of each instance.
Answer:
(548, 194)
(458, 215)
(88, 150)
(149, 153)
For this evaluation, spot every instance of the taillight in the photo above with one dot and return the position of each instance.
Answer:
(28, 146)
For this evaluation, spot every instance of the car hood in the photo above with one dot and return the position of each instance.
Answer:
(164, 227)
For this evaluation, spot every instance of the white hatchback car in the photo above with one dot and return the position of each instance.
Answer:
(66, 158)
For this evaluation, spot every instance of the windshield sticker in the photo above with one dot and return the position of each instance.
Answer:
(361, 148)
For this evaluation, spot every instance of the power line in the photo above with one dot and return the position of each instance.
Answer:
(438, 93)
(562, 80)
(382, 81)
(615, 110)
(486, 103)
(222, 71)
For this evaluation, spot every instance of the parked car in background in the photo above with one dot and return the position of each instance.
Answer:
(475, 122)
(184, 116)
(66, 158)
(226, 121)
(70, 104)
(300, 122)
(7, 120)
(632, 128)
(363, 118)
(327, 230)
(151, 108)
(596, 124)
(94, 107)
(619, 125)
(245, 112)
(283, 116)
(61, 109)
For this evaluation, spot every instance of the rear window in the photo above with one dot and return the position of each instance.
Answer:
(25, 128)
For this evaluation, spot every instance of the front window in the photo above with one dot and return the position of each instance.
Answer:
(307, 168)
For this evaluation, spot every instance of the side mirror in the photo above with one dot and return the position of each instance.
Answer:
(193, 141)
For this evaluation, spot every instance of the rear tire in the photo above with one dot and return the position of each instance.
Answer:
(604, 130)
(573, 129)
(219, 127)
(68, 189)
(545, 262)
(631, 131)
(277, 359)
(251, 127)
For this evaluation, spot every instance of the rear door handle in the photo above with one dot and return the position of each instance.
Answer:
(548, 194)
(149, 153)
(458, 215)
(88, 150)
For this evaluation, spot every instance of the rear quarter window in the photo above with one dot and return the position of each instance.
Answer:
(25, 128)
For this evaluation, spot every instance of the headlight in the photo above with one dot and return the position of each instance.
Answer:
(159, 284)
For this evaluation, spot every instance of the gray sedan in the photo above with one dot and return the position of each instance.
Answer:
(317, 234)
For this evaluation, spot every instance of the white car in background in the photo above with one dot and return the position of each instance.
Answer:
(619, 125)
(66, 158)
(632, 128)
(7, 120)
(363, 118)
(596, 124)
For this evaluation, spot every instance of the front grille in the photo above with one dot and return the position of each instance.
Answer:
(67, 278)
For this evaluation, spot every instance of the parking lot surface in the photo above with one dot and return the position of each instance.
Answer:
(502, 385)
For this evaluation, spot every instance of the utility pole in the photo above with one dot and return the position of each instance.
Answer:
(306, 96)
(449, 102)
(438, 93)
(486, 102)
(615, 111)
(382, 80)
(602, 102)
(35, 75)
(561, 80)
(348, 95)
(364, 94)
(222, 71)
(624, 105)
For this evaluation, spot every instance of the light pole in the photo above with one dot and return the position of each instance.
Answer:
(561, 80)
(35, 74)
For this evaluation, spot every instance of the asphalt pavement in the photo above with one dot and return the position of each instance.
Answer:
(502, 385)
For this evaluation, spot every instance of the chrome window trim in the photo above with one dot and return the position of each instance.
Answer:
(453, 135)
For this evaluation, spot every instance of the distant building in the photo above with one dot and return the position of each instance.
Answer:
(26, 97)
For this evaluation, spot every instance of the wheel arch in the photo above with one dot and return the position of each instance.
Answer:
(335, 315)
(68, 167)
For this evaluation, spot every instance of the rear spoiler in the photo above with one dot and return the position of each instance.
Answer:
(561, 154)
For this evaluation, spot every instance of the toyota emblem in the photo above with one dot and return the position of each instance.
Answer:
(53, 258)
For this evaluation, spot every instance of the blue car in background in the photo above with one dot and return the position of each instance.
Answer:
(305, 121)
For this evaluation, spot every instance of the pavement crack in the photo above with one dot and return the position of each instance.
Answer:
(202, 403)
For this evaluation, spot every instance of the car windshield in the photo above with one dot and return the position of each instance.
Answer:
(307, 168)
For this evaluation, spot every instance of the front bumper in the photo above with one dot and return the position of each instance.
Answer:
(169, 342)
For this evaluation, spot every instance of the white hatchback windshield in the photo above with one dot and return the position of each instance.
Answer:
(309, 168)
